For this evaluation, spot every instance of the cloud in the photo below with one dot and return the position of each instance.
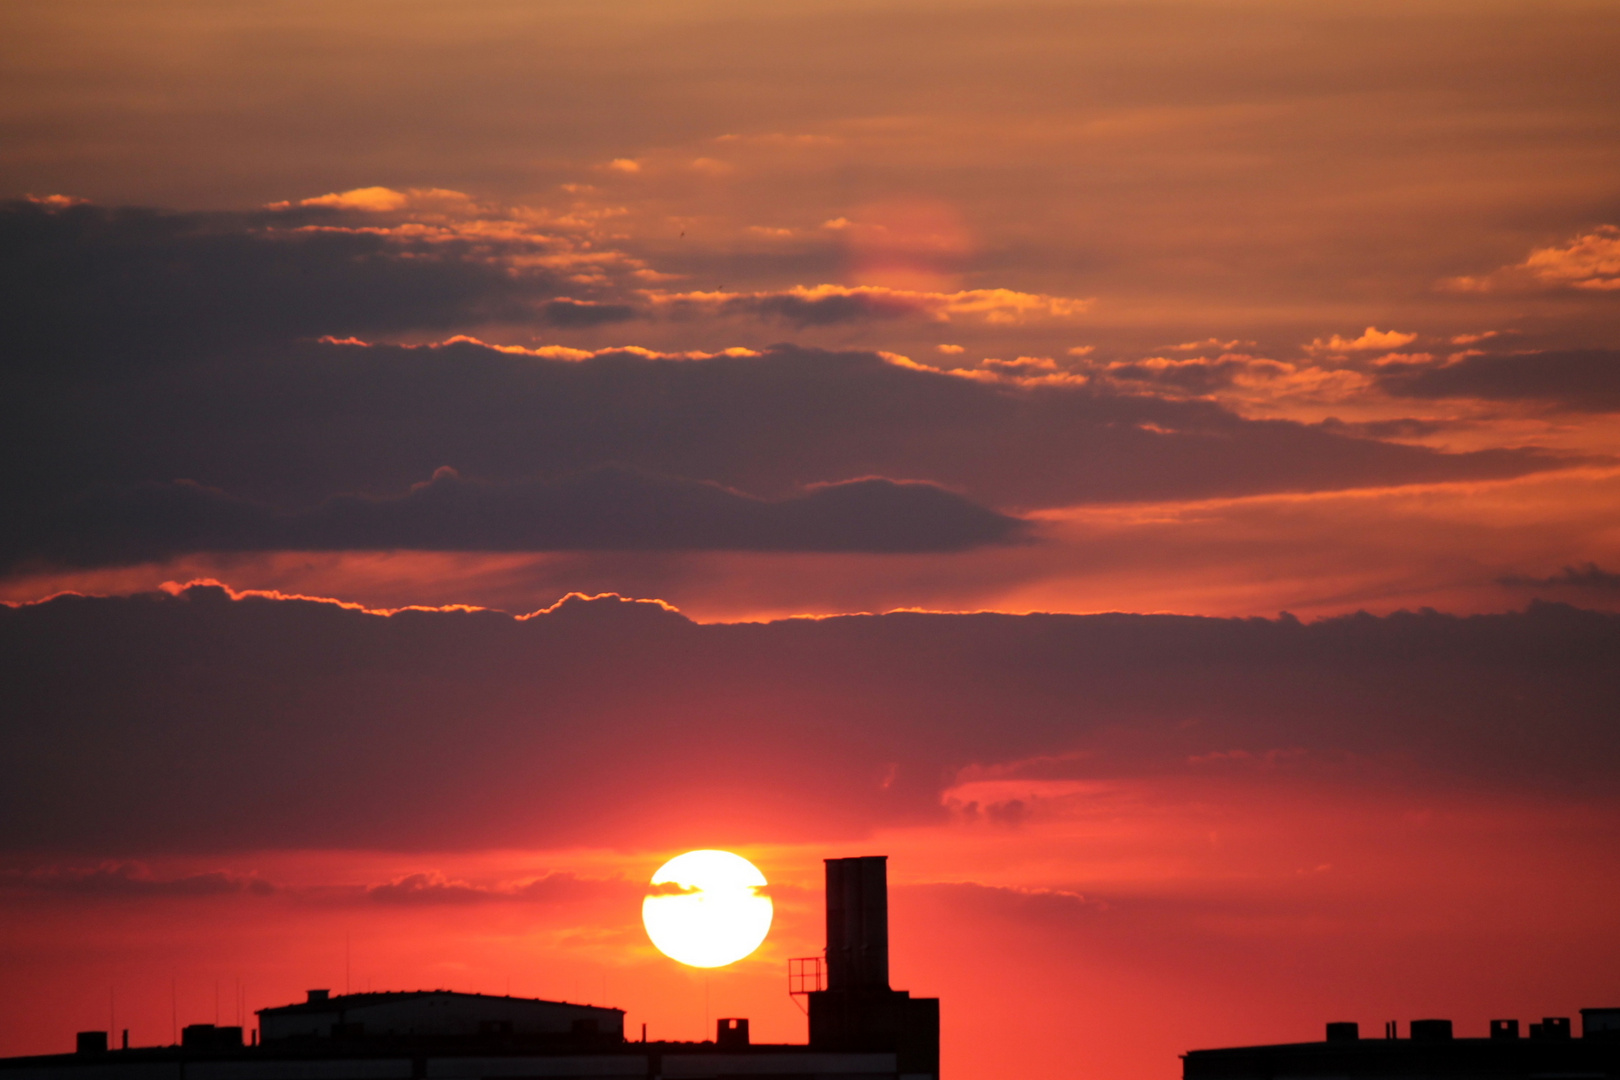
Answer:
(217, 724)
(568, 313)
(220, 349)
(128, 880)
(90, 282)
(1590, 577)
(1194, 375)
(298, 425)
(1042, 907)
(1371, 339)
(1586, 380)
(379, 199)
(1589, 262)
(1215, 344)
(433, 888)
(670, 888)
(827, 304)
(606, 509)
(1022, 365)
(1405, 427)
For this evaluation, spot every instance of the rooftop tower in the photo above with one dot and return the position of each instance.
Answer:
(858, 1011)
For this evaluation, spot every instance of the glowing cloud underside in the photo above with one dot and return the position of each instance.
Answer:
(717, 917)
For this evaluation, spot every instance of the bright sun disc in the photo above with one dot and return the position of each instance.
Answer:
(709, 911)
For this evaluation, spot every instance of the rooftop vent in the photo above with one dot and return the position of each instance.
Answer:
(1551, 1027)
(1504, 1029)
(319, 995)
(1343, 1031)
(1430, 1030)
(1600, 1023)
(209, 1037)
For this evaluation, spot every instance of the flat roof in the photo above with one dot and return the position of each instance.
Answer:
(381, 997)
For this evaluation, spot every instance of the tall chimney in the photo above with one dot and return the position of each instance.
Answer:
(858, 923)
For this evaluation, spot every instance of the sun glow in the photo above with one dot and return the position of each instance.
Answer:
(706, 910)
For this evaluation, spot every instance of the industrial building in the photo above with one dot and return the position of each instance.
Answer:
(438, 1014)
(1429, 1052)
(860, 1028)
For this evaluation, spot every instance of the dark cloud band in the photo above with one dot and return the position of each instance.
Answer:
(142, 348)
(1585, 380)
(103, 285)
(603, 510)
(195, 722)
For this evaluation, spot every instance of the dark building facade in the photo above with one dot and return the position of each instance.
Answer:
(1547, 1050)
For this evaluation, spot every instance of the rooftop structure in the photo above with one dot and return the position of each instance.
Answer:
(1429, 1052)
(439, 1013)
(857, 1010)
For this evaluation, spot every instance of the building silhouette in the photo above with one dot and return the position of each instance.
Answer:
(857, 1011)
(442, 1014)
(1428, 1052)
(860, 1028)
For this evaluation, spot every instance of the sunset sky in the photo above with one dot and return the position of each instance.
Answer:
(1149, 468)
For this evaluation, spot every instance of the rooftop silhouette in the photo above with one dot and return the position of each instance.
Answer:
(1429, 1050)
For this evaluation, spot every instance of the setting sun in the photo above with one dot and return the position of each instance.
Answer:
(710, 911)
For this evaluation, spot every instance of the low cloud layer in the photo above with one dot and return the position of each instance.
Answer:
(604, 510)
(311, 421)
(430, 888)
(127, 880)
(1582, 380)
(1588, 578)
(214, 724)
(201, 383)
(108, 287)
(831, 304)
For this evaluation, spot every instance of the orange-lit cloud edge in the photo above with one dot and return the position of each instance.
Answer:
(1448, 545)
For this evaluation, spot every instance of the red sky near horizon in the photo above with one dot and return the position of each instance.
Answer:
(1150, 469)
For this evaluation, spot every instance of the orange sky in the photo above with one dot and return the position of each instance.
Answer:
(1120, 927)
(1299, 319)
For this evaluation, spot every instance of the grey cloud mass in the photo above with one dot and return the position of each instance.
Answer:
(1583, 380)
(177, 382)
(112, 286)
(1590, 577)
(605, 509)
(127, 880)
(215, 724)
